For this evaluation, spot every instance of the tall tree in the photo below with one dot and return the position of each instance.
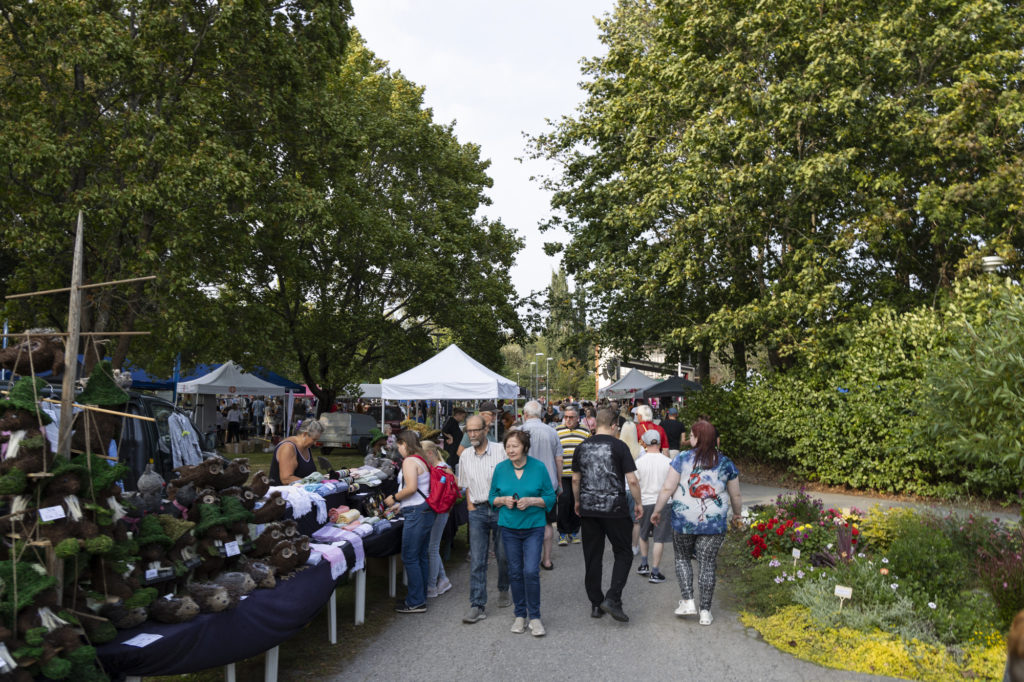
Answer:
(741, 174)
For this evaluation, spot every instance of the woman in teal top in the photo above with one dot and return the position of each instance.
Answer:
(521, 490)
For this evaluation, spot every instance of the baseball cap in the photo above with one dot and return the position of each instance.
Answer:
(651, 437)
(673, 410)
(488, 406)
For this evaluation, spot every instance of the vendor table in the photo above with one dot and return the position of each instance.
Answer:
(259, 623)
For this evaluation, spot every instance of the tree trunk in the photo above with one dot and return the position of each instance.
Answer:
(739, 360)
(704, 367)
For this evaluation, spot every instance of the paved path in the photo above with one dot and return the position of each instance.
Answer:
(654, 645)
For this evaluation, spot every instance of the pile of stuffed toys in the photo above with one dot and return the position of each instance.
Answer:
(167, 552)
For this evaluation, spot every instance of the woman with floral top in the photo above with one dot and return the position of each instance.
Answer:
(702, 483)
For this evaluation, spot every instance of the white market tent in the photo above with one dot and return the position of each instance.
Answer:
(229, 379)
(370, 391)
(630, 386)
(449, 375)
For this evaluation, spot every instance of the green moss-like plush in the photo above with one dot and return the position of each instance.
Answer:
(143, 597)
(67, 548)
(27, 652)
(100, 632)
(152, 531)
(57, 668)
(101, 544)
(34, 637)
(232, 510)
(13, 482)
(82, 655)
(101, 388)
(32, 580)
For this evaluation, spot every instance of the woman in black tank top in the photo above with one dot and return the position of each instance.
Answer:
(293, 459)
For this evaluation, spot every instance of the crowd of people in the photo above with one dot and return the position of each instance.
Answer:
(594, 475)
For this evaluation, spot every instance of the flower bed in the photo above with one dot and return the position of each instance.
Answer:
(932, 596)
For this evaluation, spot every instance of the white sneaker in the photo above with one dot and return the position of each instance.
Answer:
(705, 618)
(443, 586)
(519, 626)
(537, 628)
(431, 592)
(686, 607)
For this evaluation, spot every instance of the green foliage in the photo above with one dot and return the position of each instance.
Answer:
(880, 526)
(925, 563)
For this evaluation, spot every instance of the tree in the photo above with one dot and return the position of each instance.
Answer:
(130, 111)
(741, 175)
(364, 239)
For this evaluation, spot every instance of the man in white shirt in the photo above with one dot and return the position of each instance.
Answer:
(546, 447)
(651, 469)
(476, 468)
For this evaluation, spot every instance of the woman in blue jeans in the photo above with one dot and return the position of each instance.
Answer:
(521, 491)
(437, 579)
(419, 519)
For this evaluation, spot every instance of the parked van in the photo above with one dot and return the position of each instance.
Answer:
(345, 430)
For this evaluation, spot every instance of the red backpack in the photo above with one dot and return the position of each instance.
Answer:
(444, 488)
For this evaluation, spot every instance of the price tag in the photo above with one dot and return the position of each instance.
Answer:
(231, 548)
(244, 596)
(51, 513)
(142, 640)
(844, 592)
(152, 573)
(796, 553)
(337, 570)
(169, 596)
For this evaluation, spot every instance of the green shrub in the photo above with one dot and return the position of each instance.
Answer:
(925, 563)
(879, 527)
(968, 616)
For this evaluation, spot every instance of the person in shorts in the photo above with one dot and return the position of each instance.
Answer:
(651, 469)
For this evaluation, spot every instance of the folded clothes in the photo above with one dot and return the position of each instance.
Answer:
(382, 526)
(357, 546)
(347, 517)
(352, 526)
(328, 534)
(363, 530)
(302, 501)
(334, 555)
(314, 477)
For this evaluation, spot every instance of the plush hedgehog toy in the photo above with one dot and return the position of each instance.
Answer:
(237, 584)
(210, 598)
(174, 610)
(261, 573)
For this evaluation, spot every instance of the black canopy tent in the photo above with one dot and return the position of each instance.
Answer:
(671, 387)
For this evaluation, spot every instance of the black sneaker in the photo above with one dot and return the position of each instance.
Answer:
(422, 608)
(656, 577)
(643, 569)
(614, 609)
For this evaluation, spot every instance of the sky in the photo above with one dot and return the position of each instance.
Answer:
(498, 70)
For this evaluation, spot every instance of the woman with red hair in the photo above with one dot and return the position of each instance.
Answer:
(701, 482)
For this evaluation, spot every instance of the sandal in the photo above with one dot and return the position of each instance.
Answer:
(549, 567)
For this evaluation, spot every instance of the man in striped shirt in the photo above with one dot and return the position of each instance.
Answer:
(571, 434)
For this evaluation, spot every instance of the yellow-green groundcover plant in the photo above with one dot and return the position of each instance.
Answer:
(792, 630)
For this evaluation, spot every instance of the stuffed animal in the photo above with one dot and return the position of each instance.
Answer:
(206, 496)
(236, 473)
(237, 584)
(210, 598)
(260, 485)
(272, 534)
(284, 558)
(274, 507)
(38, 352)
(174, 610)
(124, 617)
(302, 550)
(202, 475)
(94, 430)
(261, 573)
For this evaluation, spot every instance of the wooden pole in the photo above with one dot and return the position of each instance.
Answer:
(71, 345)
(84, 286)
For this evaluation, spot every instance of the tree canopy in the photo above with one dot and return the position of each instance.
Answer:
(295, 198)
(743, 174)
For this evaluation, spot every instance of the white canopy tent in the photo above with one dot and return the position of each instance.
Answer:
(630, 386)
(370, 391)
(449, 375)
(229, 379)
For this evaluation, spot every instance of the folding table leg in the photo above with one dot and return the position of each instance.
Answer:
(360, 596)
(392, 572)
(332, 618)
(229, 672)
(132, 678)
(270, 665)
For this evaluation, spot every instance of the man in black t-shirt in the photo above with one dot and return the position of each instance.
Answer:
(674, 429)
(601, 468)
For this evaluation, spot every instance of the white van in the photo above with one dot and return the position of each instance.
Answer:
(345, 430)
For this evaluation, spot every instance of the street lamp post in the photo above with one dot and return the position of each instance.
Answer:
(538, 355)
(547, 377)
(533, 372)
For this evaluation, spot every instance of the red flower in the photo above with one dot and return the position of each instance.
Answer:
(780, 531)
(760, 526)
(853, 541)
(856, 532)
(789, 524)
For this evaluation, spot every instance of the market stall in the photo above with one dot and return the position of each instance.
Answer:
(631, 385)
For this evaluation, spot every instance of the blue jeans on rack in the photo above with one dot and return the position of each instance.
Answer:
(483, 531)
(522, 547)
(415, 538)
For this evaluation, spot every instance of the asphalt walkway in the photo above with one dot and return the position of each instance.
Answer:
(654, 645)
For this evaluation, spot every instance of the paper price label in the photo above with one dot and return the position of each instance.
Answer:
(152, 574)
(796, 553)
(231, 548)
(844, 592)
(337, 570)
(142, 640)
(169, 596)
(244, 596)
(51, 513)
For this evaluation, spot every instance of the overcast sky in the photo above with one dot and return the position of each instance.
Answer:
(498, 69)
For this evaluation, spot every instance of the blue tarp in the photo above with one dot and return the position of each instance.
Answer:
(141, 380)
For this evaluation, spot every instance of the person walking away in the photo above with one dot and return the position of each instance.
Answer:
(521, 491)
(259, 408)
(413, 477)
(651, 469)
(545, 447)
(601, 469)
(644, 422)
(675, 430)
(437, 579)
(222, 424)
(476, 471)
(627, 434)
(233, 421)
(701, 482)
(570, 434)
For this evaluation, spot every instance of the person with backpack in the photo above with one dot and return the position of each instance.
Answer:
(437, 579)
(419, 519)
(521, 491)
